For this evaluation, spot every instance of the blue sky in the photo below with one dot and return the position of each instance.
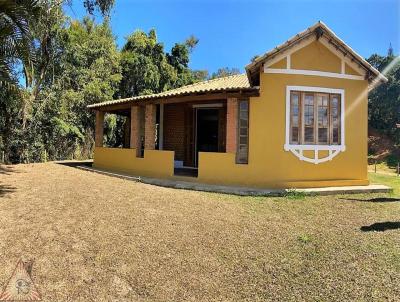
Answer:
(232, 32)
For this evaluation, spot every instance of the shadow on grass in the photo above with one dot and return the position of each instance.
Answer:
(376, 199)
(381, 226)
(6, 170)
(75, 164)
(6, 189)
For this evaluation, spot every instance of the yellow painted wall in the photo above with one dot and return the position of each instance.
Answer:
(155, 163)
(270, 166)
(315, 56)
(282, 64)
(349, 70)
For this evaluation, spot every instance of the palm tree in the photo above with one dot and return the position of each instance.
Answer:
(16, 41)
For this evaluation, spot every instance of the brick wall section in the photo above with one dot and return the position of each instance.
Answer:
(134, 141)
(150, 127)
(99, 129)
(174, 129)
(231, 125)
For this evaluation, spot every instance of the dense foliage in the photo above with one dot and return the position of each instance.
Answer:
(71, 64)
(147, 68)
(384, 100)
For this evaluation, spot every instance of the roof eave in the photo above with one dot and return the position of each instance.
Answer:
(241, 90)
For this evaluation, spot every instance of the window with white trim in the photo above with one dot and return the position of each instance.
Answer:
(314, 122)
(314, 118)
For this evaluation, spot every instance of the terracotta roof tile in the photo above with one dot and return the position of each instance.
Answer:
(228, 83)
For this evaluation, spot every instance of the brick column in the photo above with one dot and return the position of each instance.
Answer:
(150, 127)
(99, 128)
(231, 124)
(135, 127)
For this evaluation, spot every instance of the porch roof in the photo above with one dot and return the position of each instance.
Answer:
(234, 83)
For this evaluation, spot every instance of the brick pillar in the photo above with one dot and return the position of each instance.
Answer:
(99, 129)
(231, 124)
(150, 127)
(135, 127)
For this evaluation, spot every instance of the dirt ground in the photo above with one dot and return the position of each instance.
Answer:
(97, 238)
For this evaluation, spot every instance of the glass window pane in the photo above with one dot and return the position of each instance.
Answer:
(309, 135)
(308, 118)
(243, 131)
(335, 118)
(294, 117)
(335, 136)
(295, 135)
(323, 135)
(242, 149)
(243, 140)
(243, 123)
(309, 111)
(244, 105)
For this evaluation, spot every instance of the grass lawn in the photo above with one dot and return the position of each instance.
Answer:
(383, 168)
(392, 181)
(97, 238)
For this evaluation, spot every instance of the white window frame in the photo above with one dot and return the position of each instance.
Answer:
(298, 149)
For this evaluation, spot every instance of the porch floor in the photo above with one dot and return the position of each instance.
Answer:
(244, 191)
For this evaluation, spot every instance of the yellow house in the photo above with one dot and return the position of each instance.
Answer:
(296, 119)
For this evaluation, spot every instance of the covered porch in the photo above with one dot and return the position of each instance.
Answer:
(175, 135)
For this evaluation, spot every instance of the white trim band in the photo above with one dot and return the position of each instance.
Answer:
(314, 73)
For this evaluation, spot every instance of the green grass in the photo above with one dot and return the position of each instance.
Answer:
(383, 168)
(294, 194)
(304, 238)
(389, 180)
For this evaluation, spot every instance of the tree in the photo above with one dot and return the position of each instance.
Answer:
(17, 20)
(85, 70)
(191, 42)
(200, 75)
(384, 100)
(147, 68)
(224, 72)
(104, 6)
(90, 74)
(390, 51)
(16, 41)
(68, 65)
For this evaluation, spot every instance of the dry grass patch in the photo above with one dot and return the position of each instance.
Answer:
(99, 238)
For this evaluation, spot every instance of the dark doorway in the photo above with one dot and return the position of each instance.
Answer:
(207, 124)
